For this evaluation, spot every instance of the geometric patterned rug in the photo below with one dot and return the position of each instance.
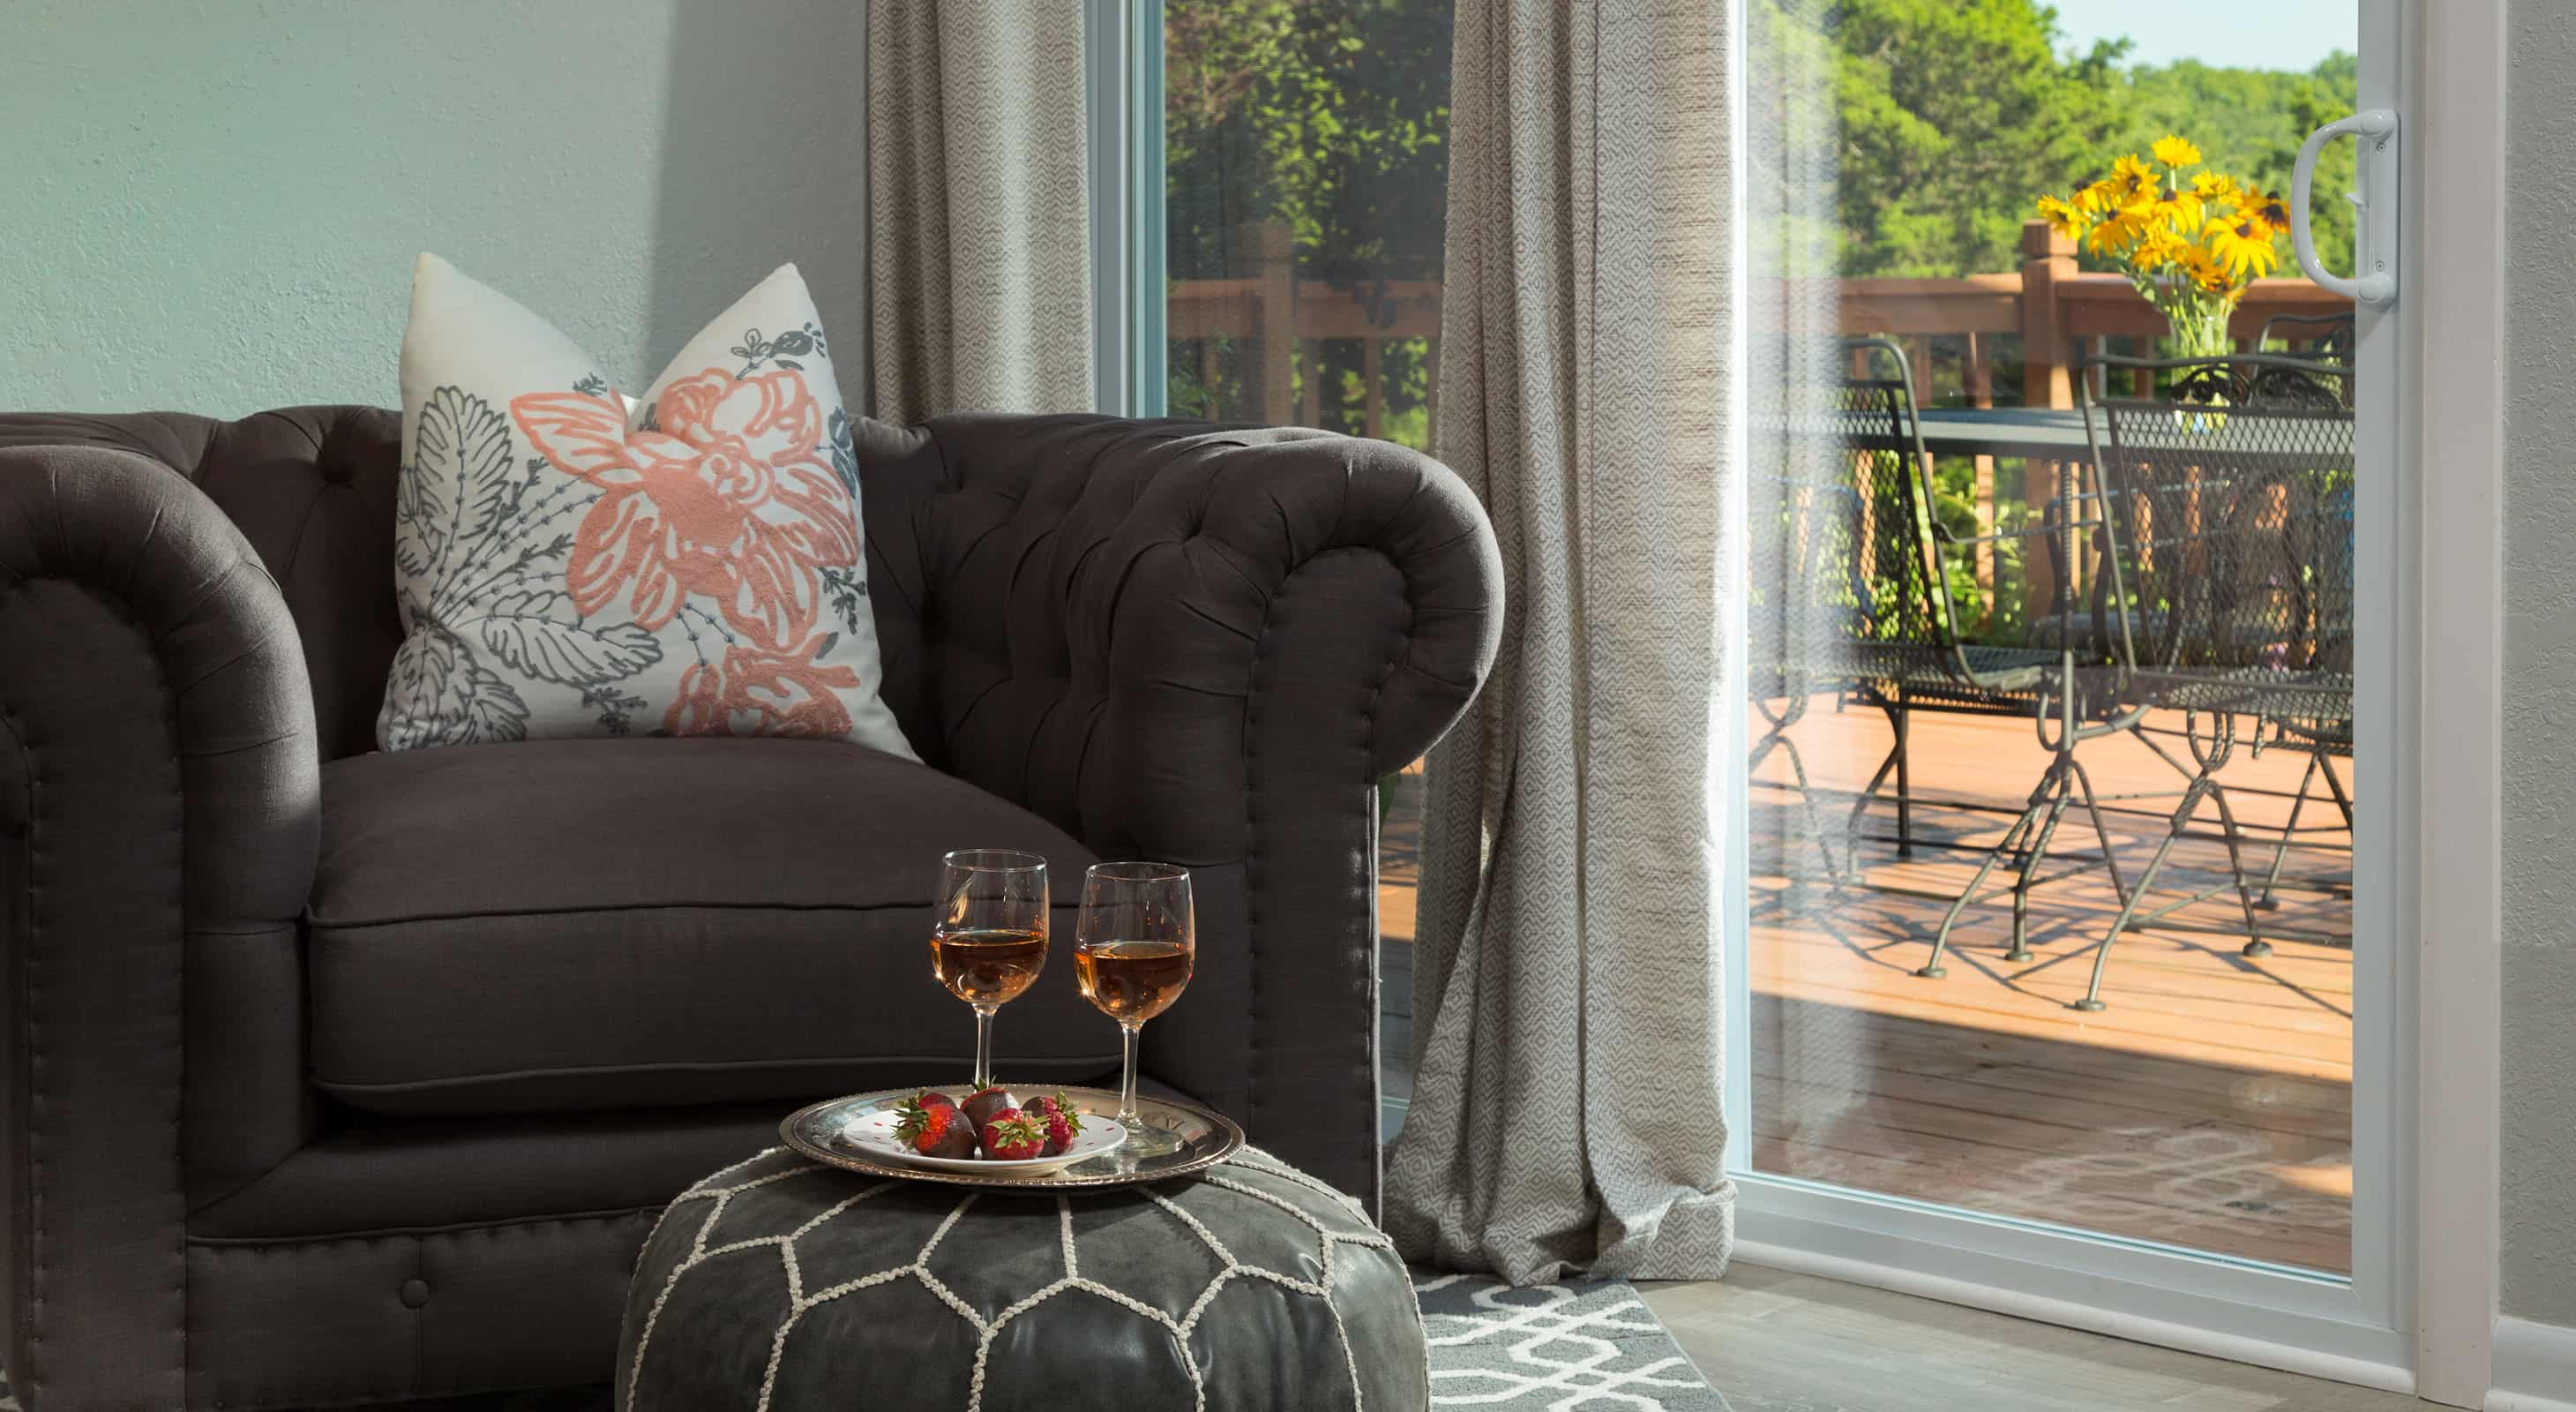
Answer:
(1589, 1347)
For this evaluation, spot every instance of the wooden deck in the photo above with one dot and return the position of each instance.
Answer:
(2208, 1106)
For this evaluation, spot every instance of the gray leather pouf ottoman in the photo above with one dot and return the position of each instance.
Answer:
(782, 1285)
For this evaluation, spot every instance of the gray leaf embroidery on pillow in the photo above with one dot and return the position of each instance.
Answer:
(463, 442)
(465, 704)
(845, 455)
(534, 629)
(417, 511)
(474, 518)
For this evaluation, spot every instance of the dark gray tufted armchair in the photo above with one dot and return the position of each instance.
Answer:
(334, 1076)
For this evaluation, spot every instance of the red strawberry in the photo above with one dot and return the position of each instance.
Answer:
(1063, 1120)
(1014, 1136)
(931, 1125)
(984, 1102)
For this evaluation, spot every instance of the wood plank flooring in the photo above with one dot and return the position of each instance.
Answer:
(1778, 1342)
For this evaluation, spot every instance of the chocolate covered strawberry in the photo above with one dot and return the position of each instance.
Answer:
(984, 1102)
(1014, 1136)
(930, 1124)
(1063, 1121)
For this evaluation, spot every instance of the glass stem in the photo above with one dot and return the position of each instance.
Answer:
(1127, 1117)
(983, 1046)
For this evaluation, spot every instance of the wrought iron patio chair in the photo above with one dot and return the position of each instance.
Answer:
(1866, 607)
(2229, 589)
(2321, 338)
(1805, 583)
(1833, 514)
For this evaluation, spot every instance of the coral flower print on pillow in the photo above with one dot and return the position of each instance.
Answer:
(570, 561)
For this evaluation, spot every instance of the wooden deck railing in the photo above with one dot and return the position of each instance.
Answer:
(2055, 312)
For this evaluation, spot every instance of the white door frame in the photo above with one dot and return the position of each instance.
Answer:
(2455, 158)
(2419, 1310)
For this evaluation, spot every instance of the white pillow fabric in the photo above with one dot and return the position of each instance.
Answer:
(572, 562)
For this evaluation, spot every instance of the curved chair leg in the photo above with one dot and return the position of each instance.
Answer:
(2281, 851)
(1777, 738)
(2255, 945)
(1877, 779)
(1901, 719)
(1932, 969)
(2343, 800)
(2110, 859)
(2182, 817)
(1815, 821)
(2031, 862)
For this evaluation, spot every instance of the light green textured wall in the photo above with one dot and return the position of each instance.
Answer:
(2539, 1158)
(213, 207)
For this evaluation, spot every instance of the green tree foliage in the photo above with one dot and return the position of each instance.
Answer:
(1951, 115)
(1329, 115)
(1942, 120)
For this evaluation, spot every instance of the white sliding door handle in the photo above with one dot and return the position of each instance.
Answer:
(2375, 216)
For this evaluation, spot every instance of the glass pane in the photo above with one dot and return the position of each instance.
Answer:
(1307, 170)
(2004, 687)
(1306, 161)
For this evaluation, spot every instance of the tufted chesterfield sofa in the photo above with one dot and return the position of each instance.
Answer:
(330, 1076)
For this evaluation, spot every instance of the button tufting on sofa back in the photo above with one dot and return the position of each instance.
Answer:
(1001, 552)
(312, 489)
(1074, 608)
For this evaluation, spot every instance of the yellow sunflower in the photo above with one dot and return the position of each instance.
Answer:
(2242, 245)
(2175, 151)
(2118, 230)
(2182, 208)
(2130, 183)
(2214, 186)
(2063, 216)
(2204, 270)
(2160, 245)
(2270, 209)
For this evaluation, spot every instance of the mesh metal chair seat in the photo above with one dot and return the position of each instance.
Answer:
(2298, 702)
(2006, 677)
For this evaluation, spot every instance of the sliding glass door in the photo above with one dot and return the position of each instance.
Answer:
(2066, 914)
(2067, 974)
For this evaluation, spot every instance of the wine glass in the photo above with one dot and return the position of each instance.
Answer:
(1133, 948)
(989, 939)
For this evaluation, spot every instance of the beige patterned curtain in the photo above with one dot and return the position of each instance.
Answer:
(1567, 991)
(979, 263)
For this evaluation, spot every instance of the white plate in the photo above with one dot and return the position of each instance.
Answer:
(873, 1134)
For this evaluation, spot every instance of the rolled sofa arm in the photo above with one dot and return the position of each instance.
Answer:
(1205, 645)
(158, 826)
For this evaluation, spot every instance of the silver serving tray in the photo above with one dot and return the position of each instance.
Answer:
(1207, 1138)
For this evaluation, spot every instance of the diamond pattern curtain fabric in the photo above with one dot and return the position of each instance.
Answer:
(1568, 1001)
(979, 264)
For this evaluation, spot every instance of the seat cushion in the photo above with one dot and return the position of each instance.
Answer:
(645, 922)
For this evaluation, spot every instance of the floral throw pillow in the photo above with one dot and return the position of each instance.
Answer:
(571, 561)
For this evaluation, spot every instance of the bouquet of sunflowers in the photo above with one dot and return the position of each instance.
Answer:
(2189, 242)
